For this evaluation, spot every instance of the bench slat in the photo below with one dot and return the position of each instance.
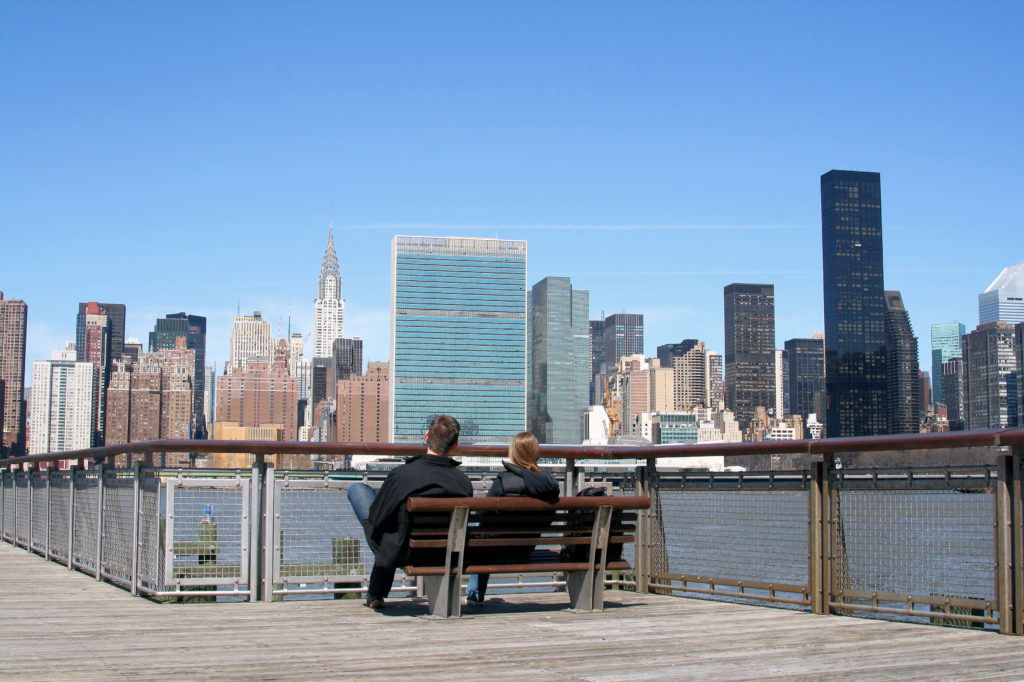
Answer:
(518, 542)
(435, 504)
(553, 567)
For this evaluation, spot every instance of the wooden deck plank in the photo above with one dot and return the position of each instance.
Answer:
(60, 624)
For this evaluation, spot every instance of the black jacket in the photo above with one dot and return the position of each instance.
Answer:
(387, 527)
(517, 481)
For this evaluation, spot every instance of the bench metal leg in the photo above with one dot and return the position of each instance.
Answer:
(586, 588)
(444, 591)
(444, 595)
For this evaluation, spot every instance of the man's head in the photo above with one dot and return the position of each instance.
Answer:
(443, 434)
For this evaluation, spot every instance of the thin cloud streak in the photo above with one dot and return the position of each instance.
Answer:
(455, 228)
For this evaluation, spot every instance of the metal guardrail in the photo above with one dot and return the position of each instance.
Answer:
(939, 545)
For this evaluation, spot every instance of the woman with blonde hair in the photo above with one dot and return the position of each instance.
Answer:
(522, 478)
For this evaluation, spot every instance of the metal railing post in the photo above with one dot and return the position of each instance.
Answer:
(100, 470)
(31, 510)
(255, 546)
(816, 503)
(269, 545)
(1017, 537)
(1005, 550)
(570, 477)
(49, 507)
(73, 471)
(136, 513)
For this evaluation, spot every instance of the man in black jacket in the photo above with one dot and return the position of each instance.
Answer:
(383, 513)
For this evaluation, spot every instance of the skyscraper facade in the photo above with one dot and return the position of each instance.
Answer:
(152, 398)
(689, 363)
(13, 322)
(953, 391)
(903, 389)
(95, 348)
(115, 313)
(458, 336)
(596, 359)
(348, 358)
(806, 376)
(623, 335)
(263, 395)
(192, 328)
(990, 377)
(363, 406)
(851, 246)
(1004, 299)
(63, 412)
(945, 345)
(329, 308)
(749, 349)
(250, 338)
(560, 362)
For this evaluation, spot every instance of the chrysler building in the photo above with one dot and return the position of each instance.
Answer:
(329, 316)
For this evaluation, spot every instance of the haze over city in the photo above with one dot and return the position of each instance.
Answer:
(191, 158)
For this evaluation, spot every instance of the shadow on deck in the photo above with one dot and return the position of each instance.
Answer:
(60, 624)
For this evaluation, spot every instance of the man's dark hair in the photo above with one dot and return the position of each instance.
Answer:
(442, 434)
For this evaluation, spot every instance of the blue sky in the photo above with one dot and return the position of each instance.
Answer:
(189, 156)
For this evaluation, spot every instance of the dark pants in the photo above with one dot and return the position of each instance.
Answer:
(361, 496)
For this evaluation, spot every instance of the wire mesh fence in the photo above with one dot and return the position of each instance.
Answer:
(60, 514)
(85, 539)
(117, 542)
(743, 535)
(914, 541)
(207, 532)
(319, 538)
(23, 510)
(39, 501)
(151, 536)
(7, 501)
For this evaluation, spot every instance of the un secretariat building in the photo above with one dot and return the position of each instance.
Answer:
(458, 336)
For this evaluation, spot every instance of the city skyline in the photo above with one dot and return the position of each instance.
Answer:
(652, 171)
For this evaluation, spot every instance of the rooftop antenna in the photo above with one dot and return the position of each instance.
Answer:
(238, 313)
(289, 319)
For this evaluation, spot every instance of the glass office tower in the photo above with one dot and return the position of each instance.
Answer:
(559, 361)
(458, 336)
(851, 250)
(945, 346)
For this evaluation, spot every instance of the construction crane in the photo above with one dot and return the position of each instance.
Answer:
(612, 407)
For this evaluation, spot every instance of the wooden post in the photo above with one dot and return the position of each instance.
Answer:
(816, 533)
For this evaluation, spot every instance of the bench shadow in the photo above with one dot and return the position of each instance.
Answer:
(406, 607)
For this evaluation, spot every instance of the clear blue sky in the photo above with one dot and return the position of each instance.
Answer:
(188, 156)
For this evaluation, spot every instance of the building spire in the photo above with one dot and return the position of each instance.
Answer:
(329, 266)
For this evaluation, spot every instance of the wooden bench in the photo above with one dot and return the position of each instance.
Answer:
(455, 536)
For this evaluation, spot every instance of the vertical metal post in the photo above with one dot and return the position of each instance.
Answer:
(269, 545)
(829, 531)
(815, 533)
(255, 546)
(73, 471)
(1004, 545)
(570, 477)
(100, 470)
(645, 541)
(31, 511)
(49, 506)
(136, 513)
(1017, 538)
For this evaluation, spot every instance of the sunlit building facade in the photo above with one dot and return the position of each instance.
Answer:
(458, 336)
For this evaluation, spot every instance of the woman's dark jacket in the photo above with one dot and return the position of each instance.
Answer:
(516, 481)
(387, 527)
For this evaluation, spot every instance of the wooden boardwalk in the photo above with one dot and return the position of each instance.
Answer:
(57, 624)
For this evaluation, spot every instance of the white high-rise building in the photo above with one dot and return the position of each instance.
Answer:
(62, 403)
(1003, 301)
(329, 312)
(250, 338)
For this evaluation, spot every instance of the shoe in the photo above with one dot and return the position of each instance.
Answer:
(375, 603)
(474, 600)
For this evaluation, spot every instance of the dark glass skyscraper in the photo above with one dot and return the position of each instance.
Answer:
(560, 362)
(749, 349)
(115, 313)
(806, 377)
(851, 249)
(348, 358)
(623, 335)
(193, 329)
(903, 374)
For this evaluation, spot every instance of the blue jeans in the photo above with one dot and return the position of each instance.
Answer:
(477, 587)
(361, 496)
